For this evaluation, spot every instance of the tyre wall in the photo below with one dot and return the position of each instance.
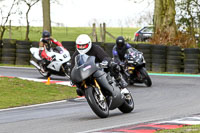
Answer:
(8, 51)
(108, 48)
(159, 58)
(174, 62)
(191, 60)
(23, 53)
(146, 50)
(0, 50)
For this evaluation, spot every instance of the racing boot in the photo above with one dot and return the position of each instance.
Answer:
(123, 85)
(122, 82)
(79, 92)
(124, 91)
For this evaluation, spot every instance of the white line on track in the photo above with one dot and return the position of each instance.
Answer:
(35, 105)
(17, 67)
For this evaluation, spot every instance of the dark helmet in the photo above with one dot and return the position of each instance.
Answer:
(120, 42)
(45, 33)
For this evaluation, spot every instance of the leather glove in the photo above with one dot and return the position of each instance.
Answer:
(44, 41)
(114, 66)
(48, 58)
(122, 64)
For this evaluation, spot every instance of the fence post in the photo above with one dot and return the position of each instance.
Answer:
(104, 33)
(10, 33)
(94, 34)
(101, 34)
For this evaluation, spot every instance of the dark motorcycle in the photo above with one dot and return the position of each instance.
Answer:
(134, 70)
(99, 88)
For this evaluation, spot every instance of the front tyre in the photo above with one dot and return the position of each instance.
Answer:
(128, 105)
(99, 107)
(45, 74)
(145, 77)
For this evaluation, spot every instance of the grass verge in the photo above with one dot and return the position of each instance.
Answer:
(185, 129)
(68, 33)
(17, 92)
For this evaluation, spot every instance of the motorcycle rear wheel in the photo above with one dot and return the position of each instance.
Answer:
(128, 105)
(100, 108)
(145, 77)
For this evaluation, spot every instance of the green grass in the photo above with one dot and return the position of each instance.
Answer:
(185, 129)
(68, 33)
(17, 92)
(11, 65)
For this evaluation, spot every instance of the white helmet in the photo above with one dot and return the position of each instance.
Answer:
(83, 43)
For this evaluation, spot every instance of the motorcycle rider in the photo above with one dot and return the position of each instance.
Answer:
(119, 50)
(84, 46)
(45, 45)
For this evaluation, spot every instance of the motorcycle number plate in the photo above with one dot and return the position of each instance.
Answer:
(86, 68)
(65, 56)
(131, 68)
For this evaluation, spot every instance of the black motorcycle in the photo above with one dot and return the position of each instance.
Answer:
(134, 70)
(99, 88)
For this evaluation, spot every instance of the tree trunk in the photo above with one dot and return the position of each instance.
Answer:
(28, 26)
(164, 17)
(46, 15)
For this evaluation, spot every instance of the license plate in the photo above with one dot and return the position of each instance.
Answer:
(131, 68)
(147, 35)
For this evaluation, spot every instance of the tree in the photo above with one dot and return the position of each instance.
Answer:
(29, 3)
(4, 19)
(189, 15)
(164, 18)
(46, 15)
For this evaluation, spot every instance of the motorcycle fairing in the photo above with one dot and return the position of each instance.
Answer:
(116, 98)
(59, 58)
(84, 67)
(35, 52)
(135, 57)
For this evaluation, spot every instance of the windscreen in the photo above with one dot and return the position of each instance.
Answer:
(132, 53)
(58, 50)
(81, 59)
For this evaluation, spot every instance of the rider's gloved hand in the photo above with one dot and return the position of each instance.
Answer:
(49, 58)
(122, 64)
(114, 66)
(44, 40)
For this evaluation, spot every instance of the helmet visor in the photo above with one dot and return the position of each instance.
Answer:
(120, 44)
(82, 46)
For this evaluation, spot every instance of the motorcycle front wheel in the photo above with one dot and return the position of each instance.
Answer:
(128, 105)
(45, 74)
(99, 107)
(145, 77)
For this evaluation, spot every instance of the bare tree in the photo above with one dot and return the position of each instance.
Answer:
(189, 16)
(29, 3)
(4, 19)
(46, 15)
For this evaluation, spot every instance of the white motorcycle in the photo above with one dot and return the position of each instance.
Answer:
(60, 64)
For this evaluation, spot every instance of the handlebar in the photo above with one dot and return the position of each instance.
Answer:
(103, 64)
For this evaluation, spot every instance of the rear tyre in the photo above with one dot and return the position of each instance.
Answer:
(128, 105)
(145, 77)
(100, 108)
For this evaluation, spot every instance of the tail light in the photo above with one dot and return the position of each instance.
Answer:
(137, 34)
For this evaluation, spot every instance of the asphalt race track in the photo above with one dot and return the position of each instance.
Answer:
(169, 97)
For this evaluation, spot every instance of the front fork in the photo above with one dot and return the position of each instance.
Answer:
(97, 89)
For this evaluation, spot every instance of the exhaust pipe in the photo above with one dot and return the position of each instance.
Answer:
(35, 64)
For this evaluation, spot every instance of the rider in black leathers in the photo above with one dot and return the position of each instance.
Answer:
(119, 50)
(84, 46)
